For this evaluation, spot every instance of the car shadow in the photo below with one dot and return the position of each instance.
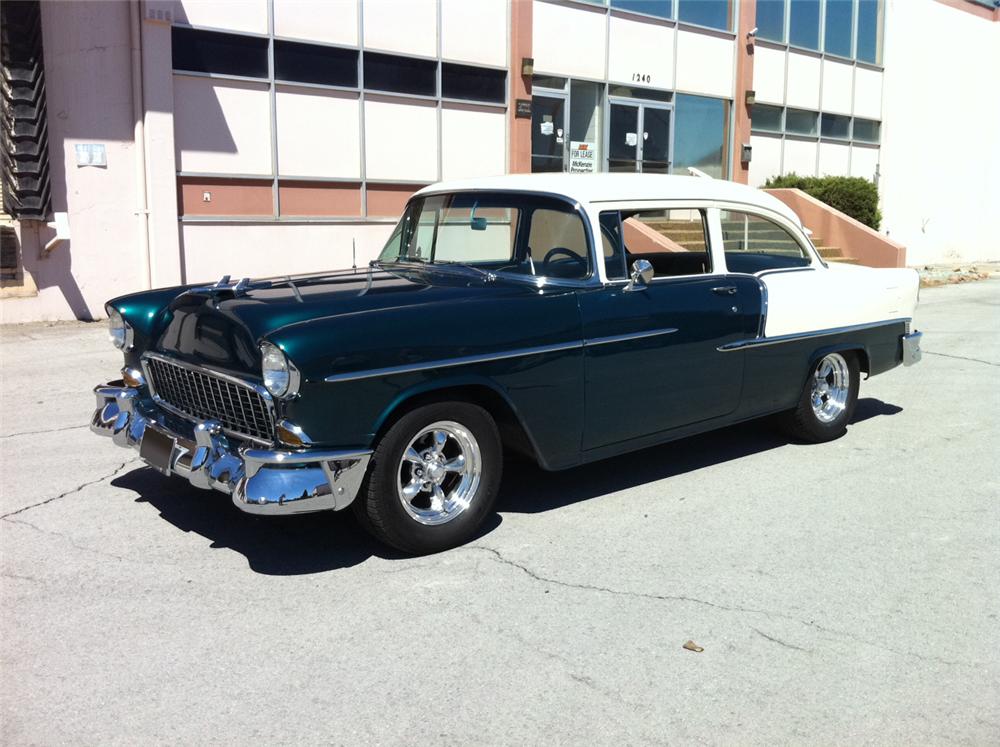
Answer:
(316, 543)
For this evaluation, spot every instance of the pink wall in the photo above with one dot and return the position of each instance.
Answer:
(855, 239)
(88, 90)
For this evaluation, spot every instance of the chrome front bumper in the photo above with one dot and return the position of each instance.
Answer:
(911, 348)
(260, 481)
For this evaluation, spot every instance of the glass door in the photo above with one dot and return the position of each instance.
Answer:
(548, 133)
(623, 137)
(655, 153)
(639, 137)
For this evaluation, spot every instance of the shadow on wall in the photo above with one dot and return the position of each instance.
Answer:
(52, 269)
(315, 543)
(88, 82)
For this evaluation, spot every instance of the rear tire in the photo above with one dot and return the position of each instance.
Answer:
(433, 478)
(828, 399)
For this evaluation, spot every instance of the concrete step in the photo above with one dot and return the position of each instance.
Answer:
(830, 251)
(844, 260)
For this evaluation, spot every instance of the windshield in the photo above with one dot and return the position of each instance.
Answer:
(523, 234)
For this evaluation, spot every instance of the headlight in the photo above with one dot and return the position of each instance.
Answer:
(118, 331)
(280, 376)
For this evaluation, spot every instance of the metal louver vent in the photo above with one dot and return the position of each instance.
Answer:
(24, 167)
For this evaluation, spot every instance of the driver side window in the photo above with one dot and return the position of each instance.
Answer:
(558, 243)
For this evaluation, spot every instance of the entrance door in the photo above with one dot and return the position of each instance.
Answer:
(639, 137)
(548, 133)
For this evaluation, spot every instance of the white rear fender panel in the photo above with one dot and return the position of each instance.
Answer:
(839, 296)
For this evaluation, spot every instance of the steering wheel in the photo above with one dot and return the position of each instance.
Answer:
(561, 250)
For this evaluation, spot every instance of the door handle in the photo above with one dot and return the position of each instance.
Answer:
(725, 290)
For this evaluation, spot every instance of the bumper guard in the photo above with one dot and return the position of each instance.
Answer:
(260, 481)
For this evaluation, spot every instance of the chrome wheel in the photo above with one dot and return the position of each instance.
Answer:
(439, 473)
(831, 386)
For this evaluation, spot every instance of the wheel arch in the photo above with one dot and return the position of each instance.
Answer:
(859, 349)
(514, 435)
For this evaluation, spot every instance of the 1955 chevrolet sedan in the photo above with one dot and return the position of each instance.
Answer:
(568, 318)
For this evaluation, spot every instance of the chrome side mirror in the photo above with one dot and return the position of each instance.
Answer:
(642, 274)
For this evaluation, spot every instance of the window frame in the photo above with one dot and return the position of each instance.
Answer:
(797, 233)
(595, 263)
(705, 222)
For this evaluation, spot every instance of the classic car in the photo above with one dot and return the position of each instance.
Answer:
(568, 318)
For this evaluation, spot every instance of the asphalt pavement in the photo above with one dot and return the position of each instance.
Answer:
(844, 593)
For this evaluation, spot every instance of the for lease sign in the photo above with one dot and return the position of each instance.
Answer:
(582, 157)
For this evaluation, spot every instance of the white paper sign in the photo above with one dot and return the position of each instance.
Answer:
(582, 157)
(547, 128)
(91, 154)
(631, 138)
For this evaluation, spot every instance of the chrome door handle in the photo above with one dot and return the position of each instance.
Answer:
(725, 290)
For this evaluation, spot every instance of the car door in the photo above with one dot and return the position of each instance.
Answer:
(651, 359)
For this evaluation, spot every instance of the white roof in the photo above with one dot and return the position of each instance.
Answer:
(588, 188)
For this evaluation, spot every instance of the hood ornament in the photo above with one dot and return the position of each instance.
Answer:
(225, 285)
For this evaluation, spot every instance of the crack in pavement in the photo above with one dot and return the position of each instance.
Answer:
(499, 557)
(77, 489)
(780, 642)
(38, 433)
(962, 358)
(68, 538)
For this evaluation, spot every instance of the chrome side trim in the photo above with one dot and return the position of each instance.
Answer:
(451, 362)
(764, 341)
(624, 338)
(487, 357)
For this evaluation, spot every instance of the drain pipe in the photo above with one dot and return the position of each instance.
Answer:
(138, 117)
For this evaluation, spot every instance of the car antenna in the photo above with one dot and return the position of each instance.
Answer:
(354, 254)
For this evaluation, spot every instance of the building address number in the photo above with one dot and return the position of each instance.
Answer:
(642, 78)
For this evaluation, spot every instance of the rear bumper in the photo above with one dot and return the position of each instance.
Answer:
(911, 348)
(260, 481)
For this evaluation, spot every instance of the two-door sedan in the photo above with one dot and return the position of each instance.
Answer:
(569, 318)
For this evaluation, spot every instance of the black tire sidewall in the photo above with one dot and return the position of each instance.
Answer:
(385, 514)
(805, 425)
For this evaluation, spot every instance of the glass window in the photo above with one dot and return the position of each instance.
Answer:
(771, 20)
(804, 23)
(548, 118)
(701, 134)
(631, 92)
(799, 122)
(612, 246)
(473, 83)
(868, 32)
(548, 81)
(585, 125)
(386, 72)
(837, 30)
(715, 14)
(557, 244)
(214, 52)
(673, 241)
(836, 126)
(311, 63)
(481, 230)
(658, 8)
(753, 244)
(765, 118)
(866, 130)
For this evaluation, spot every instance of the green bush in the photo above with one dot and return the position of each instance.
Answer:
(852, 195)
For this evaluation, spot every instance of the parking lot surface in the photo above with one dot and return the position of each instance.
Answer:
(842, 593)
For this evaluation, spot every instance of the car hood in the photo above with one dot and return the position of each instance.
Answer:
(223, 327)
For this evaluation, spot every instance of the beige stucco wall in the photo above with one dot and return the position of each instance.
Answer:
(940, 160)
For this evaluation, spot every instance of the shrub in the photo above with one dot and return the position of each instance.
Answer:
(852, 195)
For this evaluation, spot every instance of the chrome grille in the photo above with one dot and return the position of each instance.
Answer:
(241, 409)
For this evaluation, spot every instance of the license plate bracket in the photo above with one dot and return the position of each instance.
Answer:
(156, 449)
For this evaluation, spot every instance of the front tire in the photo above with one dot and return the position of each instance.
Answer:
(828, 399)
(433, 479)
